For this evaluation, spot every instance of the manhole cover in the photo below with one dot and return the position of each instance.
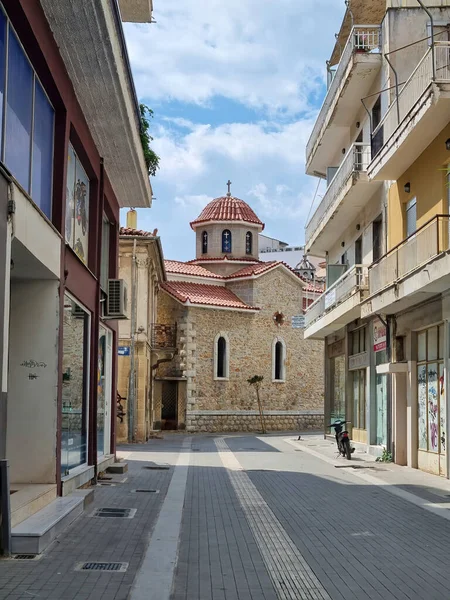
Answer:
(143, 491)
(26, 556)
(118, 513)
(118, 567)
(156, 467)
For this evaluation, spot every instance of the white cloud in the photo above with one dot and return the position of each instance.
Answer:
(265, 54)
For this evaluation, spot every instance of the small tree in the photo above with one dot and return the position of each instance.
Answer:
(150, 156)
(256, 381)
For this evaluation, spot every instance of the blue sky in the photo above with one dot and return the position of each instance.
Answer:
(235, 87)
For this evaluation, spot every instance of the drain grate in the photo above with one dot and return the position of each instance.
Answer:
(156, 467)
(145, 491)
(25, 556)
(118, 513)
(117, 567)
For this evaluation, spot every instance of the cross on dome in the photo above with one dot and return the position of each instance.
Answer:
(229, 188)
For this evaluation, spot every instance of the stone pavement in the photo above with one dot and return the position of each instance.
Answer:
(253, 518)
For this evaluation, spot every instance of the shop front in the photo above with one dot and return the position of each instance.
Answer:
(431, 400)
(380, 412)
(358, 365)
(336, 382)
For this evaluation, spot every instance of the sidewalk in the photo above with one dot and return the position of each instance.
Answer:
(430, 491)
(53, 576)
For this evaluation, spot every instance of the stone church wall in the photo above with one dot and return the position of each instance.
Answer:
(295, 404)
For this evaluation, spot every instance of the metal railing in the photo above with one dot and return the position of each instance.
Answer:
(351, 281)
(355, 161)
(163, 336)
(414, 88)
(362, 39)
(416, 250)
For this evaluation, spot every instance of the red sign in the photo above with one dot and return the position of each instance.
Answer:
(379, 336)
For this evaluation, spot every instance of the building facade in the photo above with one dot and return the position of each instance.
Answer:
(141, 265)
(236, 317)
(383, 314)
(71, 157)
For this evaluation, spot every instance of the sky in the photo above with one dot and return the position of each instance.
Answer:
(235, 87)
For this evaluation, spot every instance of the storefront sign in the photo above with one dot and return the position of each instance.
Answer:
(123, 351)
(336, 349)
(358, 361)
(379, 336)
(330, 298)
(298, 322)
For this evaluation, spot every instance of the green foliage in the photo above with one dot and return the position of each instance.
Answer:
(255, 380)
(151, 158)
(386, 456)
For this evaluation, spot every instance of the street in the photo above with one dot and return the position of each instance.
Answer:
(250, 518)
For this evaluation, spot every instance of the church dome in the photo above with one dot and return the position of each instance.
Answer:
(226, 209)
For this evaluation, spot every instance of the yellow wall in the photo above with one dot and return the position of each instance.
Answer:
(427, 178)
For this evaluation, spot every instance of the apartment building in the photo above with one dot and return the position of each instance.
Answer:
(383, 227)
(71, 157)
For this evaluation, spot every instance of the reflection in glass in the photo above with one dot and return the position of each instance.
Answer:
(74, 393)
(101, 392)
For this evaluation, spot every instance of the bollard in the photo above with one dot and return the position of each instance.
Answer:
(5, 510)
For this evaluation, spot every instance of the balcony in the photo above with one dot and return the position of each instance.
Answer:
(338, 305)
(354, 76)
(347, 194)
(416, 117)
(163, 337)
(412, 271)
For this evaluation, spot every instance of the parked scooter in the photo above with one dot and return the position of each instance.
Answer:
(342, 439)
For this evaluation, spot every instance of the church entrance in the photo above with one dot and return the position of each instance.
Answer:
(169, 408)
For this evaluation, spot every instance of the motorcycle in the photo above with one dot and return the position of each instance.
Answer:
(342, 439)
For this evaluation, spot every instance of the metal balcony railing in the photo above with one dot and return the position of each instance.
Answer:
(355, 161)
(351, 281)
(362, 39)
(163, 336)
(414, 88)
(413, 252)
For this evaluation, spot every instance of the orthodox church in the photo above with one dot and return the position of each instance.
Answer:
(235, 317)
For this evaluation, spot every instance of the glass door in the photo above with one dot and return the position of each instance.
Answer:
(76, 332)
(104, 390)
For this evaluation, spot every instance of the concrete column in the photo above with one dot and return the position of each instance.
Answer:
(5, 266)
(399, 411)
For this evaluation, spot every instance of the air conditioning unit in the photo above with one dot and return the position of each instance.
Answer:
(117, 300)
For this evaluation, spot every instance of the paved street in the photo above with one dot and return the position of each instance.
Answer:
(252, 518)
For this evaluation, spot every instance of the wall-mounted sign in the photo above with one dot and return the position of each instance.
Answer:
(336, 349)
(298, 322)
(379, 336)
(330, 298)
(123, 351)
(358, 361)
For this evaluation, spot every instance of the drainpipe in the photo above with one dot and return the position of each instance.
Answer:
(432, 37)
(132, 379)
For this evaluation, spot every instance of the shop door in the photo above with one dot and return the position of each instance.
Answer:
(431, 401)
(381, 410)
(337, 388)
(104, 391)
(169, 405)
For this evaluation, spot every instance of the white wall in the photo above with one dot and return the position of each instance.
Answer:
(32, 403)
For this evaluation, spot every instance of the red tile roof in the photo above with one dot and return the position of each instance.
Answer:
(136, 232)
(227, 208)
(175, 266)
(255, 269)
(200, 293)
(225, 258)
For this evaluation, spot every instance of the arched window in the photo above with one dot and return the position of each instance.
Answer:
(221, 356)
(226, 240)
(248, 242)
(204, 242)
(278, 360)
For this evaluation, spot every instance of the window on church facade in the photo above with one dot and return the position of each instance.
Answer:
(248, 242)
(221, 356)
(278, 360)
(204, 242)
(226, 240)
